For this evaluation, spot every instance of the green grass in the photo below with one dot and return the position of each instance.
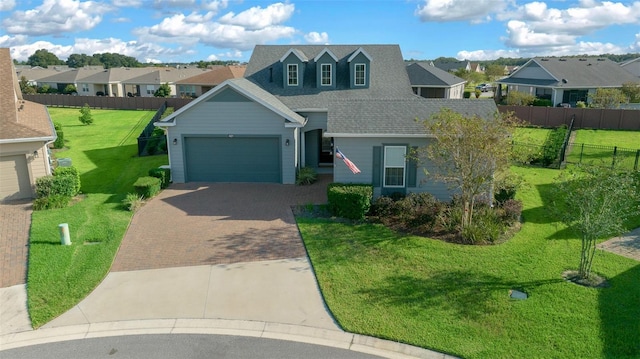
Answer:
(628, 143)
(105, 154)
(531, 135)
(454, 298)
(624, 139)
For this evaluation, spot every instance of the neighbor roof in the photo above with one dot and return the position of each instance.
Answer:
(72, 76)
(388, 76)
(393, 117)
(451, 65)
(165, 75)
(573, 73)
(424, 75)
(20, 121)
(215, 76)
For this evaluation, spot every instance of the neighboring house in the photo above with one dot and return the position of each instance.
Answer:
(566, 80)
(146, 84)
(197, 85)
(632, 66)
(476, 67)
(62, 79)
(34, 74)
(296, 105)
(431, 82)
(108, 82)
(452, 66)
(25, 131)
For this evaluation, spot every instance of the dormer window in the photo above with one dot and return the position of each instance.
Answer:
(360, 77)
(292, 74)
(326, 75)
(293, 67)
(359, 69)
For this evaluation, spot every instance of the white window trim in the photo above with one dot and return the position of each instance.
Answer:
(384, 168)
(330, 75)
(297, 75)
(364, 74)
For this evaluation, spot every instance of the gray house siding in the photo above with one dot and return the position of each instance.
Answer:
(361, 152)
(532, 71)
(234, 118)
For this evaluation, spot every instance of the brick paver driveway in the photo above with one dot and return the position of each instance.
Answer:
(216, 223)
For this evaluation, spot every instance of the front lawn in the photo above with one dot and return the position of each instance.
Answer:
(455, 298)
(624, 139)
(105, 154)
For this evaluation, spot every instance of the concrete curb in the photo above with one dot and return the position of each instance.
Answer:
(288, 332)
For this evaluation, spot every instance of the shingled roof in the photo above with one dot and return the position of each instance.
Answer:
(215, 76)
(423, 74)
(20, 120)
(388, 76)
(397, 116)
(572, 73)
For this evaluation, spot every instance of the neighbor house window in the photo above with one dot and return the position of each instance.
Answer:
(151, 89)
(85, 87)
(360, 74)
(187, 91)
(326, 74)
(394, 166)
(292, 75)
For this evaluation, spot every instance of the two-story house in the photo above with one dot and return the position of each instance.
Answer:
(298, 104)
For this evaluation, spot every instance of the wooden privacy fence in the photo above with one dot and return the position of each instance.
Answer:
(105, 102)
(609, 119)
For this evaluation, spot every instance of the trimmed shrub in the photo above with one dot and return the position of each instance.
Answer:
(59, 142)
(541, 102)
(55, 185)
(417, 209)
(306, 175)
(466, 94)
(383, 206)
(71, 172)
(51, 202)
(147, 187)
(164, 174)
(350, 201)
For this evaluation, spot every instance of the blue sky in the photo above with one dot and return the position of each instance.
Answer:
(192, 30)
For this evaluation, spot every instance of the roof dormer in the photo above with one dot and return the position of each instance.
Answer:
(293, 65)
(359, 69)
(326, 64)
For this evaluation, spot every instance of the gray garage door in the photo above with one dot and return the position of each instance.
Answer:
(14, 178)
(237, 159)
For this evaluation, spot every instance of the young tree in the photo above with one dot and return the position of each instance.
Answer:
(632, 91)
(163, 91)
(595, 203)
(467, 152)
(85, 115)
(607, 98)
(25, 88)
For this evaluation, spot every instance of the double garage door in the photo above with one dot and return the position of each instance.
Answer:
(232, 159)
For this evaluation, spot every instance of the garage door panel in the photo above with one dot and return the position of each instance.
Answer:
(14, 178)
(237, 159)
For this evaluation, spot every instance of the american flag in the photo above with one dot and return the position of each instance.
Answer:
(347, 162)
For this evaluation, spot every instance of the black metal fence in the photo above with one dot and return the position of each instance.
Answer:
(618, 157)
(149, 144)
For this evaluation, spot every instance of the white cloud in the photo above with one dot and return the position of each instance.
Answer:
(215, 5)
(259, 18)
(127, 3)
(521, 35)
(458, 10)
(481, 55)
(55, 17)
(586, 18)
(7, 5)
(173, 3)
(121, 20)
(22, 52)
(317, 38)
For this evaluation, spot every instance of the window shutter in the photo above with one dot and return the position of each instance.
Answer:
(377, 164)
(412, 168)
